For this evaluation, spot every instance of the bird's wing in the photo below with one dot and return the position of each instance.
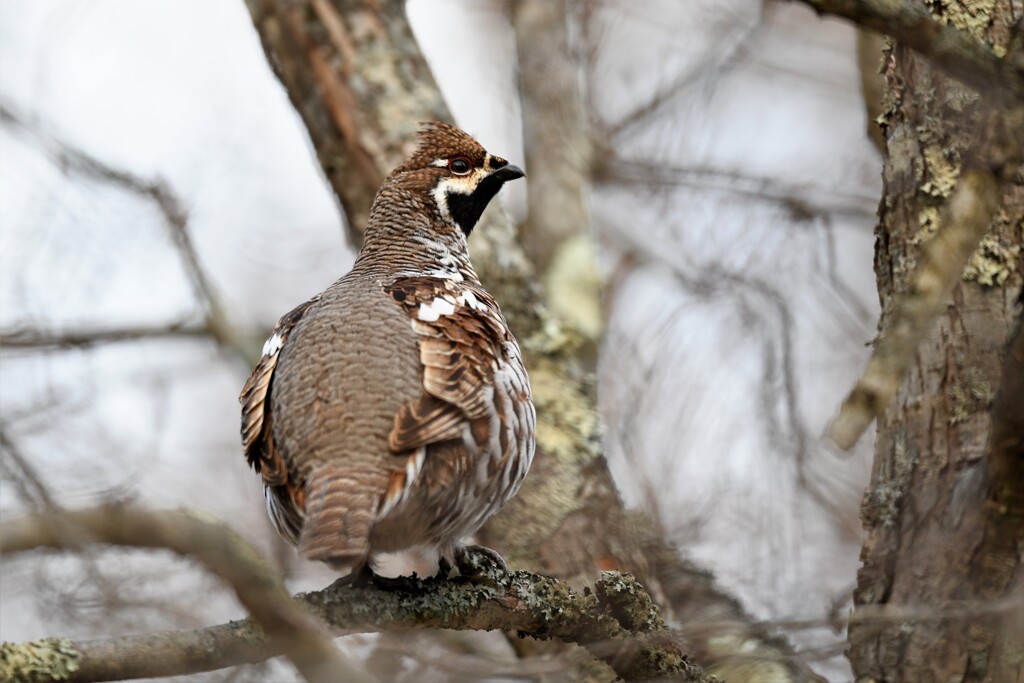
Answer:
(475, 388)
(463, 343)
(256, 399)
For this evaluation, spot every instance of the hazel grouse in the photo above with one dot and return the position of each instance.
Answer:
(392, 411)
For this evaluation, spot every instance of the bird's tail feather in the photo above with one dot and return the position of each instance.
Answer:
(341, 507)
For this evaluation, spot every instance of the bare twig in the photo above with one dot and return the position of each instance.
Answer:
(30, 484)
(71, 159)
(616, 621)
(956, 52)
(965, 219)
(803, 198)
(289, 629)
(28, 338)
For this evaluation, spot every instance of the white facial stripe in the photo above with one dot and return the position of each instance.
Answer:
(440, 163)
(455, 185)
(440, 195)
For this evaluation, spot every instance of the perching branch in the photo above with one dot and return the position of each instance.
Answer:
(964, 220)
(616, 621)
(956, 52)
(289, 629)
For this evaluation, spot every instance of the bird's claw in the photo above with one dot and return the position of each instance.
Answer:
(477, 561)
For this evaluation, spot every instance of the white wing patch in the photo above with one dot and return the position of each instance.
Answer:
(445, 305)
(433, 311)
(469, 299)
(273, 345)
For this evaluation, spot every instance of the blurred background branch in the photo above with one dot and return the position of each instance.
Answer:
(290, 630)
(990, 70)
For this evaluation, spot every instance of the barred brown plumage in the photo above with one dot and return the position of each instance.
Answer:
(393, 410)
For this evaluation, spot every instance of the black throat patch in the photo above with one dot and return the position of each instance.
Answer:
(466, 209)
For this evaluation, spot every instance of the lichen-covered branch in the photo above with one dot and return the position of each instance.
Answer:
(966, 219)
(617, 620)
(947, 45)
(289, 629)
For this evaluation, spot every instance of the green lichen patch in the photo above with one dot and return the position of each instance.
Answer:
(970, 393)
(992, 262)
(883, 500)
(629, 602)
(744, 659)
(50, 659)
(928, 225)
(972, 17)
(942, 172)
(659, 661)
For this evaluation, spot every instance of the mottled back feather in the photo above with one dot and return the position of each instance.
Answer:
(393, 410)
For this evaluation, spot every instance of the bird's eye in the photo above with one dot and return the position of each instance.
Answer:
(460, 165)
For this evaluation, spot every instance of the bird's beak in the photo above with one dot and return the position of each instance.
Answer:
(506, 173)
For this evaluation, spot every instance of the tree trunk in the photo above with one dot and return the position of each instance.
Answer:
(940, 596)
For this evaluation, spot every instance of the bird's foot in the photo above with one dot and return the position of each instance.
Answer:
(407, 584)
(364, 576)
(359, 577)
(477, 562)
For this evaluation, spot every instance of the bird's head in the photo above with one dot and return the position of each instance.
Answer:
(458, 173)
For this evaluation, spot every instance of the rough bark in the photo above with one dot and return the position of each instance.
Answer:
(944, 512)
(567, 521)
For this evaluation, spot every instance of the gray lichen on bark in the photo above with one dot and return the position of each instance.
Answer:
(49, 659)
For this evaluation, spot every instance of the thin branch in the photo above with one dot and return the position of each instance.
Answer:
(289, 629)
(616, 621)
(23, 474)
(805, 199)
(956, 52)
(965, 219)
(29, 338)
